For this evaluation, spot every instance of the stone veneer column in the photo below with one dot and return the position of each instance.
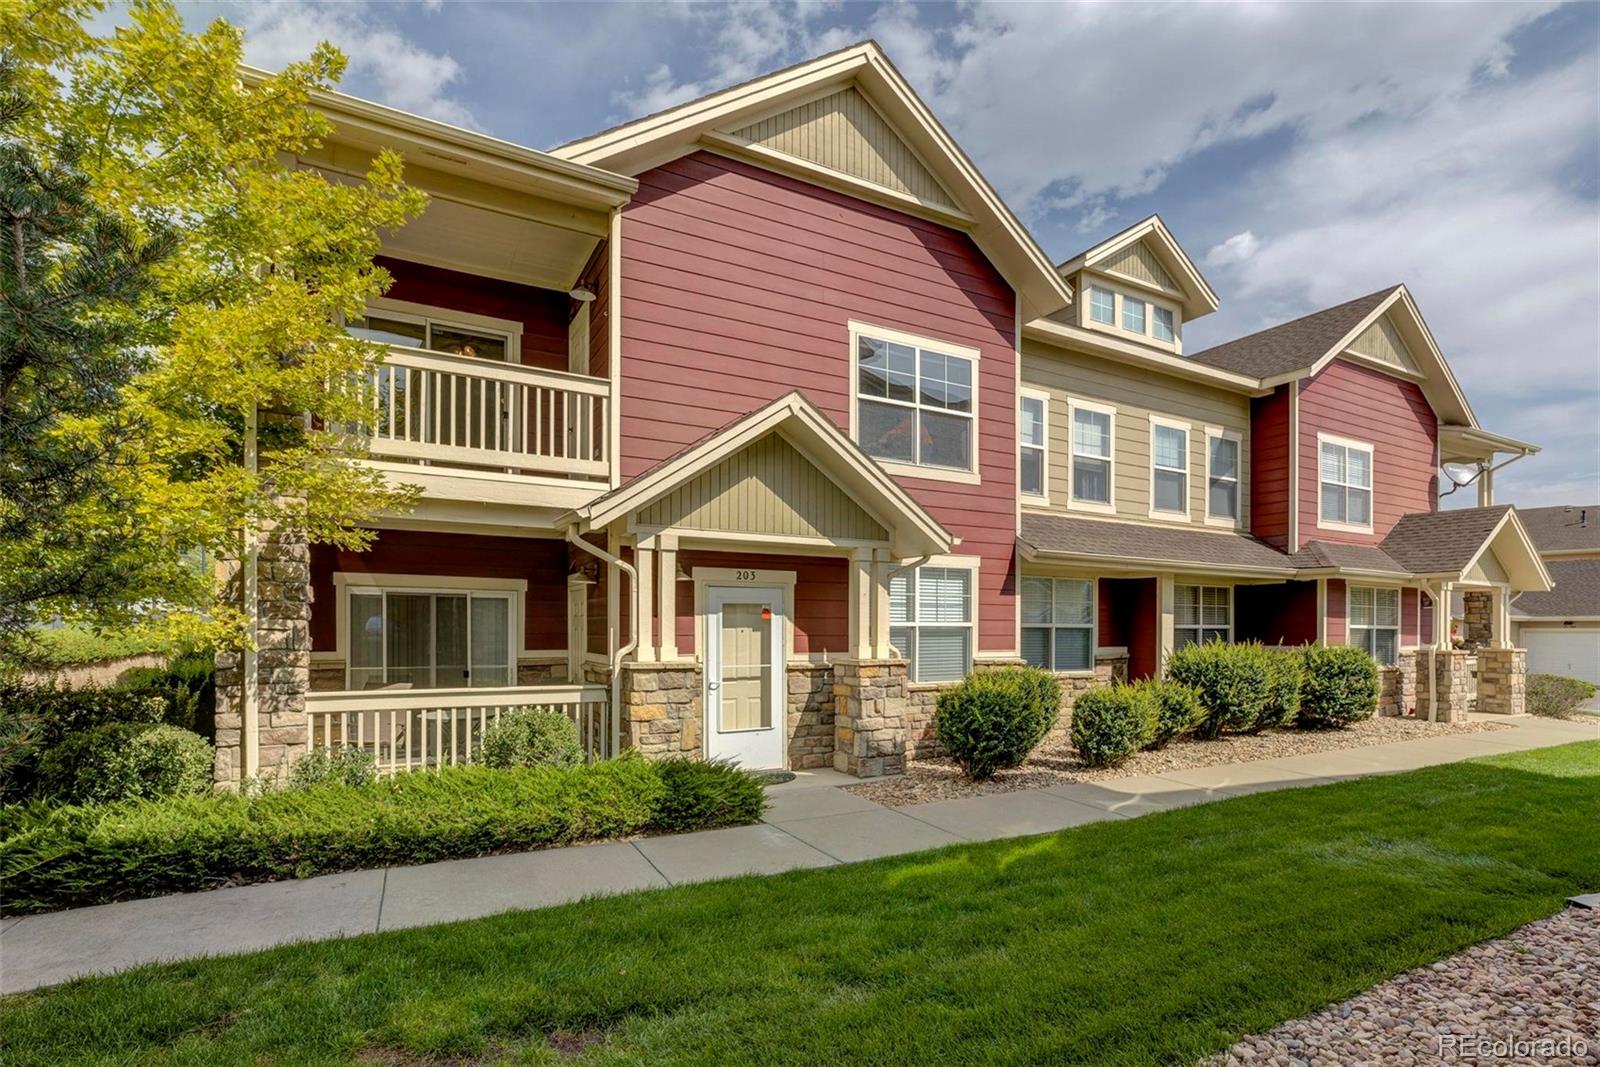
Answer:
(869, 727)
(811, 716)
(1397, 695)
(283, 666)
(661, 708)
(1452, 680)
(1503, 680)
(1478, 621)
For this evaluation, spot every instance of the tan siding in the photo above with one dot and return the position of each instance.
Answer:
(767, 488)
(1382, 341)
(1138, 261)
(1136, 395)
(843, 132)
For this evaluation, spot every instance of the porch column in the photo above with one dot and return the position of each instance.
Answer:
(577, 626)
(1166, 611)
(667, 594)
(1500, 626)
(881, 565)
(861, 574)
(645, 555)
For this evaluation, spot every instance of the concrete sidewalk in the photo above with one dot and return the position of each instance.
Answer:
(810, 823)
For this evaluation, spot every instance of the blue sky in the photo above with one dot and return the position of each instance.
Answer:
(1304, 154)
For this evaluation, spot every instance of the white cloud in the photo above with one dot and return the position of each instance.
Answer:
(1236, 249)
(383, 64)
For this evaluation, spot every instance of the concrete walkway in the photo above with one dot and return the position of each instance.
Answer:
(809, 823)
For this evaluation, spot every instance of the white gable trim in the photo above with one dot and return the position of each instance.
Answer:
(1199, 297)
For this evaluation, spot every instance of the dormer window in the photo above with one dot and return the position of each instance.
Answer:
(1162, 324)
(1129, 314)
(1103, 305)
(1133, 317)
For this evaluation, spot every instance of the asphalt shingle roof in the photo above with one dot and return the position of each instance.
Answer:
(1576, 593)
(1441, 542)
(1294, 345)
(1563, 529)
(1316, 555)
(1067, 535)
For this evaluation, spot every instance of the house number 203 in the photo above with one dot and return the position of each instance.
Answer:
(745, 576)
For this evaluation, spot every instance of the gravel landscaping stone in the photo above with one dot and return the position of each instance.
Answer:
(1531, 997)
(1055, 762)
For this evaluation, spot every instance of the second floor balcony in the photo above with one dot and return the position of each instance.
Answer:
(447, 412)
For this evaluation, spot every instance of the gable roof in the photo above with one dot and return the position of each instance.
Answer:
(1340, 558)
(1448, 544)
(911, 529)
(1296, 345)
(1576, 594)
(1574, 528)
(1172, 270)
(724, 121)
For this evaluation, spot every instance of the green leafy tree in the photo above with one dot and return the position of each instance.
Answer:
(260, 259)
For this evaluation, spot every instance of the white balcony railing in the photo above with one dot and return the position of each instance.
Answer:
(410, 729)
(458, 411)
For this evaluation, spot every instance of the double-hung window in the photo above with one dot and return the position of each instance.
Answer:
(1375, 622)
(1222, 477)
(1169, 468)
(1092, 429)
(1163, 323)
(429, 639)
(1202, 613)
(1346, 484)
(930, 621)
(915, 401)
(1032, 433)
(1102, 305)
(1058, 616)
(1133, 315)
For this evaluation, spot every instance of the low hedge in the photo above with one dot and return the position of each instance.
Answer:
(43, 716)
(1233, 682)
(1555, 696)
(993, 719)
(1285, 667)
(1339, 686)
(1109, 725)
(1176, 708)
(69, 856)
(126, 761)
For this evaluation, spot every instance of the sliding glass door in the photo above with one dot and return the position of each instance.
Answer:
(420, 640)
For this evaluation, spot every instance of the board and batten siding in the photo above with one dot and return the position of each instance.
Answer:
(1392, 415)
(767, 487)
(1136, 396)
(738, 285)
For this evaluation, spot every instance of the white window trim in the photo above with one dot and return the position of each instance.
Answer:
(448, 317)
(1237, 522)
(1372, 490)
(1120, 291)
(1073, 503)
(1188, 473)
(347, 582)
(859, 330)
(1399, 618)
(1094, 624)
(1043, 496)
(969, 563)
(1203, 627)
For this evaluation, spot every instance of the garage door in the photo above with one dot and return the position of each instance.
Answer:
(1571, 653)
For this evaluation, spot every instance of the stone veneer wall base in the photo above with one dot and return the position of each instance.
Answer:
(1503, 681)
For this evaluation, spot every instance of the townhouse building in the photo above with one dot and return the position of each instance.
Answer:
(744, 428)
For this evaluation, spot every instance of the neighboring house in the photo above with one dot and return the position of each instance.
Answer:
(1561, 628)
(745, 427)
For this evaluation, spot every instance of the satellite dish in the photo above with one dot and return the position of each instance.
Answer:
(1460, 473)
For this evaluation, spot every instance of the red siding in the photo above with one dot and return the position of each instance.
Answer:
(1336, 612)
(1282, 614)
(543, 564)
(738, 285)
(1425, 624)
(820, 614)
(1128, 620)
(1390, 414)
(1410, 617)
(542, 312)
(1269, 468)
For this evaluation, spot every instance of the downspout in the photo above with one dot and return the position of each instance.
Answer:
(633, 628)
(250, 700)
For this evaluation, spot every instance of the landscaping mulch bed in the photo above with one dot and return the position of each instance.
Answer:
(1529, 997)
(1055, 762)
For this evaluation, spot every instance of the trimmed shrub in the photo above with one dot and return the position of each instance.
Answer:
(1555, 696)
(52, 715)
(1339, 686)
(1231, 681)
(126, 761)
(1177, 711)
(698, 794)
(187, 686)
(1283, 668)
(531, 737)
(993, 719)
(1109, 725)
(334, 766)
(70, 855)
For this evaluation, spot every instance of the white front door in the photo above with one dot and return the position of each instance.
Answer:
(745, 642)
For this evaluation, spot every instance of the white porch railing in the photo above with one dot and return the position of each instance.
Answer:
(409, 729)
(463, 411)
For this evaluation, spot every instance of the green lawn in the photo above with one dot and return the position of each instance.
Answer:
(1147, 941)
